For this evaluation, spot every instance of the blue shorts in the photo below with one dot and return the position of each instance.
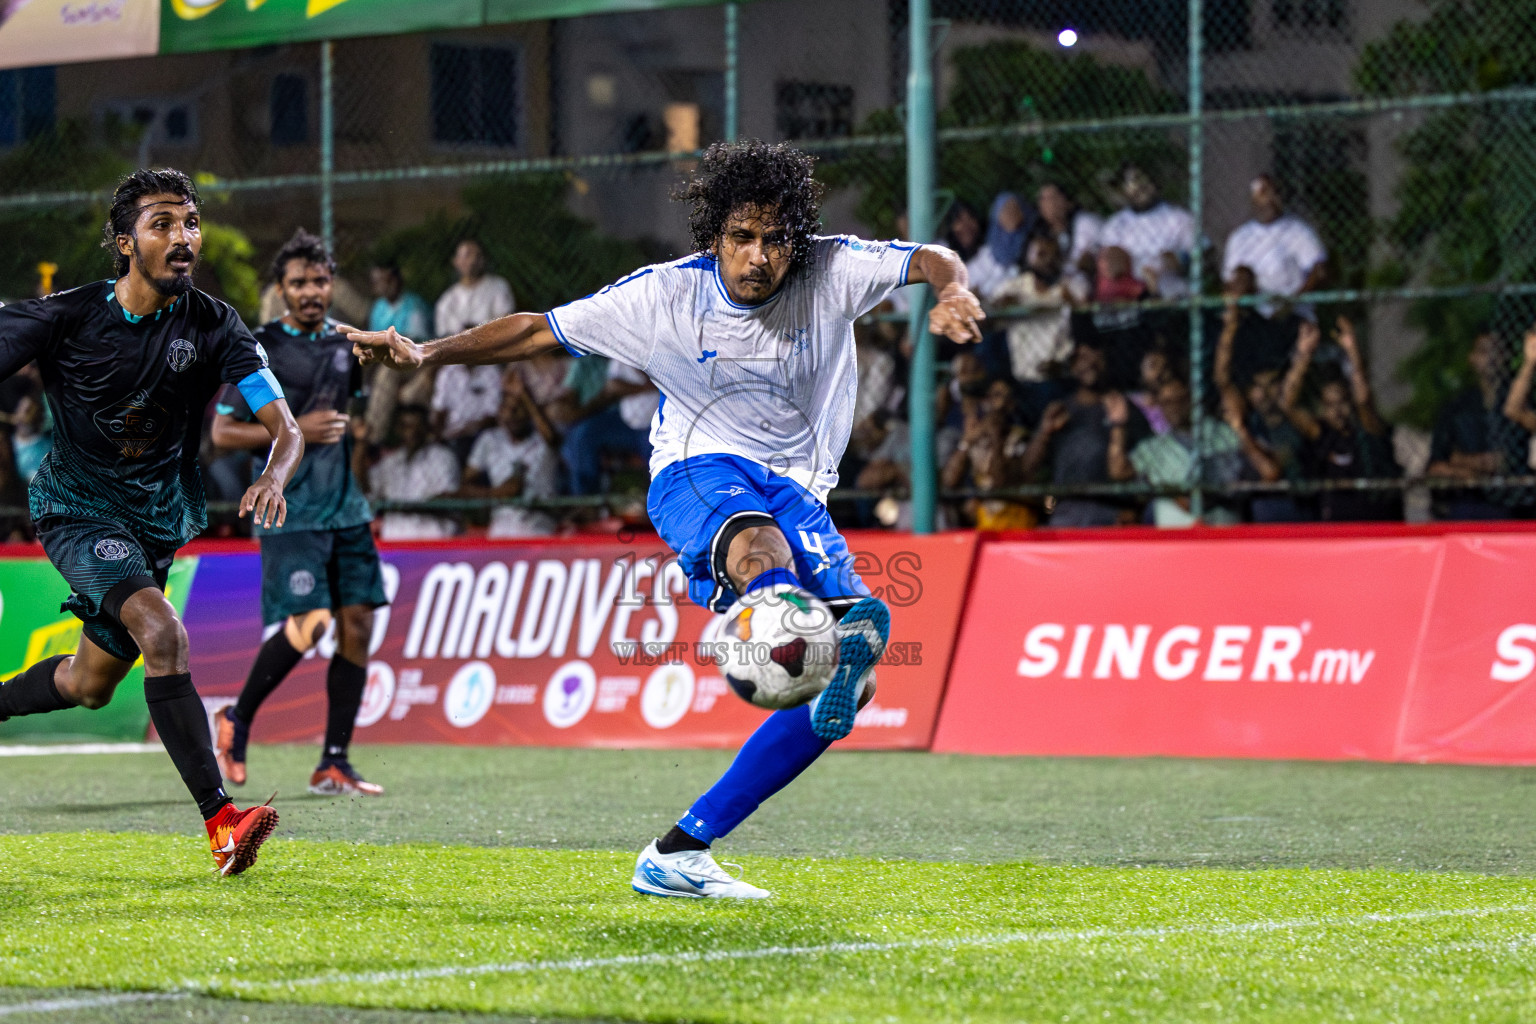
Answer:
(692, 501)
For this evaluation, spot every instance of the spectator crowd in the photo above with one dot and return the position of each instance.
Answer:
(1078, 408)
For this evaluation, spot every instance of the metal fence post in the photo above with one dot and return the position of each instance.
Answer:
(920, 217)
(732, 103)
(1196, 255)
(327, 145)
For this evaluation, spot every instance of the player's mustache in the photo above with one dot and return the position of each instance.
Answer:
(180, 252)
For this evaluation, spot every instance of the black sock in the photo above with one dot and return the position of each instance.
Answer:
(179, 718)
(32, 692)
(273, 663)
(344, 685)
(677, 840)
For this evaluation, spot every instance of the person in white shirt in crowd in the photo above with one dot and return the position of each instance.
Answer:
(1038, 343)
(1158, 235)
(417, 470)
(1282, 250)
(1076, 230)
(1008, 228)
(515, 459)
(616, 422)
(465, 398)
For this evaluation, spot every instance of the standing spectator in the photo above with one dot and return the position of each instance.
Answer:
(515, 459)
(1074, 439)
(1223, 454)
(417, 470)
(1283, 252)
(1122, 330)
(1265, 419)
(1076, 230)
(395, 307)
(465, 398)
(1156, 370)
(405, 311)
(1008, 228)
(32, 437)
(1256, 342)
(1345, 437)
(1462, 445)
(1156, 235)
(1040, 341)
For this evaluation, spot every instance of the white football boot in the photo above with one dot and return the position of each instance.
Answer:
(689, 873)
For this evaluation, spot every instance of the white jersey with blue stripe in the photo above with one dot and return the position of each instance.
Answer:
(774, 383)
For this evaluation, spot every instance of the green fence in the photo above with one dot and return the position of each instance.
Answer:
(1400, 132)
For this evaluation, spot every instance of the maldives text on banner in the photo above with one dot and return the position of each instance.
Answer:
(570, 644)
(1403, 648)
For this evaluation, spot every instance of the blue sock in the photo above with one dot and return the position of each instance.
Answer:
(780, 749)
(769, 578)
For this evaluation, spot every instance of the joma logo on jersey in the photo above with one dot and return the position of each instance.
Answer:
(134, 424)
(181, 355)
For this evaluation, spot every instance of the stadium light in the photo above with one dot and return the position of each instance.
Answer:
(1067, 37)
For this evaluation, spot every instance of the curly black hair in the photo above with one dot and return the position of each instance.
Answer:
(774, 176)
(302, 246)
(124, 213)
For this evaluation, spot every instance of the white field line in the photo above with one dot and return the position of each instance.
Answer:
(86, 1002)
(40, 749)
(841, 948)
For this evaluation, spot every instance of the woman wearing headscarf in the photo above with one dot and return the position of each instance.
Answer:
(1008, 227)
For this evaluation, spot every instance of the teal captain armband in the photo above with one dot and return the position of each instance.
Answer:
(259, 389)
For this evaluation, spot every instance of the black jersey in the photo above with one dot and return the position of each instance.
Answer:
(317, 371)
(127, 395)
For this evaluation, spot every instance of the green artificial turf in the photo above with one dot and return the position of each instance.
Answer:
(558, 933)
(1178, 813)
(909, 887)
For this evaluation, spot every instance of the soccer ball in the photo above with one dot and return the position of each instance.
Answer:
(778, 647)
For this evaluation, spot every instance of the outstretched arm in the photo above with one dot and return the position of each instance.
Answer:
(1359, 384)
(264, 498)
(506, 339)
(1517, 403)
(956, 312)
(1290, 391)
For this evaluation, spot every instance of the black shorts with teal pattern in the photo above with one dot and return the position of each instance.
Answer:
(305, 570)
(104, 565)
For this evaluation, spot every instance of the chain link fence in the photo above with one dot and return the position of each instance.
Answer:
(1154, 182)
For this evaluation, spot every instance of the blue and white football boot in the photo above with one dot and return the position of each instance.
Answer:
(692, 874)
(862, 634)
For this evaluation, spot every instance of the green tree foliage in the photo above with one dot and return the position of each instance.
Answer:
(1016, 84)
(548, 255)
(1467, 198)
(73, 157)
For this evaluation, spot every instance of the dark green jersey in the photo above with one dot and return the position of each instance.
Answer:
(128, 395)
(317, 371)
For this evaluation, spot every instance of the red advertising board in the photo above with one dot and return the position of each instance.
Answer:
(570, 644)
(1264, 648)
(1473, 695)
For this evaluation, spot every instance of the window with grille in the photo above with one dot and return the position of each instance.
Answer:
(813, 110)
(27, 104)
(290, 110)
(474, 95)
(1331, 16)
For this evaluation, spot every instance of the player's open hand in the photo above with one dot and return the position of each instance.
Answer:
(956, 313)
(389, 348)
(264, 500)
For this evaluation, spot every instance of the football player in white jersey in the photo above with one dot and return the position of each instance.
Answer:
(750, 341)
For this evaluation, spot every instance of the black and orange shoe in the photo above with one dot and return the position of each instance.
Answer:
(229, 746)
(235, 836)
(339, 778)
